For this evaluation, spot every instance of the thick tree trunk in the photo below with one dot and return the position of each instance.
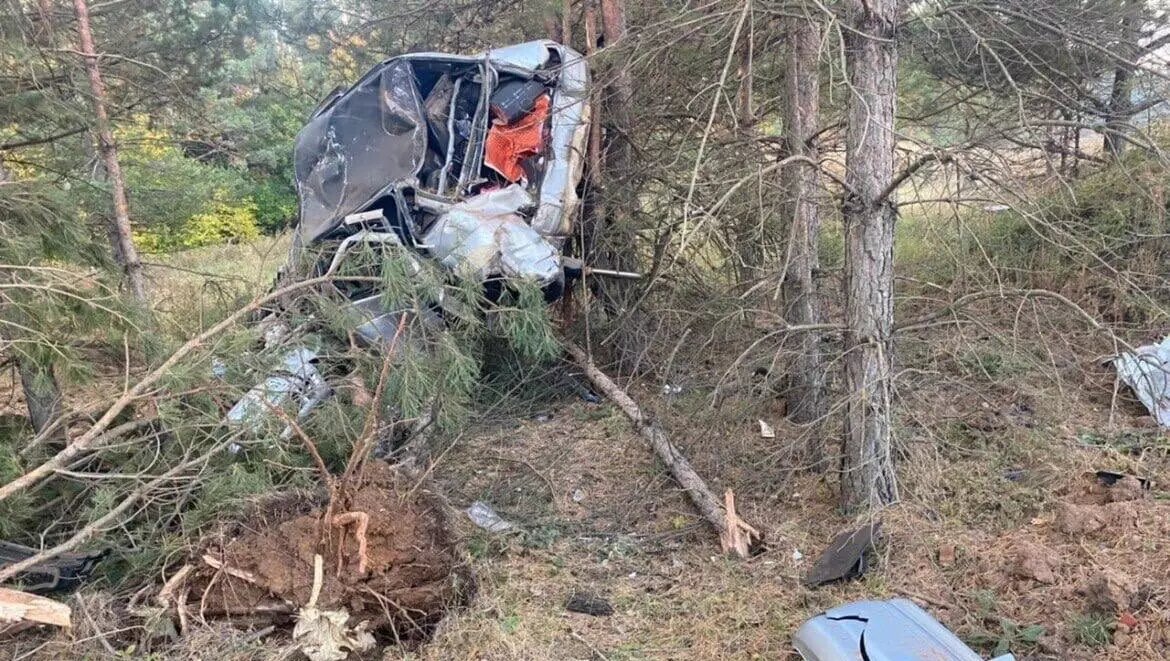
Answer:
(802, 305)
(871, 58)
(120, 238)
(616, 235)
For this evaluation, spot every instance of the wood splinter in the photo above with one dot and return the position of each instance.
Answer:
(21, 609)
(735, 535)
(362, 521)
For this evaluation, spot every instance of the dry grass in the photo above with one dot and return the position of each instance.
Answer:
(193, 289)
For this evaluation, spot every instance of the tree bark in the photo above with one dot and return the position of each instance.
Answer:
(1120, 107)
(871, 59)
(119, 230)
(617, 96)
(802, 306)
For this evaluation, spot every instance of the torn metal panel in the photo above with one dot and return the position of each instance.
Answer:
(358, 146)
(298, 382)
(557, 210)
(1147, 372)
(531, 55)
(894, 630)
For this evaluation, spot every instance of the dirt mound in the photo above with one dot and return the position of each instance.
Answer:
(413, 571)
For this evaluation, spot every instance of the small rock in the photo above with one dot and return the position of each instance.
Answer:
(1034, 562)
(589, 604)
(946, 555)
(1108, 592)
(1127, 620)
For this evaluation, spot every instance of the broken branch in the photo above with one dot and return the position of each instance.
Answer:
(734, 534)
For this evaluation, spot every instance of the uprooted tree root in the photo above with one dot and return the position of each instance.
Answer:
(391, 561)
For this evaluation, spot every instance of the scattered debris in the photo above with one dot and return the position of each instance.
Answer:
(578, 495)
(19, 609)
(844, 557)
(589, 604)
(484, 516)
(60, 574)
(1124, 487)
(1147, 372)
(766, 430)
(1034, 562)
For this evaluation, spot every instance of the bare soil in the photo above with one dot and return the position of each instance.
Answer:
(414, 573)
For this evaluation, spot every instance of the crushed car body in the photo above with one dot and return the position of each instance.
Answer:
(416, 143)
(473, 162)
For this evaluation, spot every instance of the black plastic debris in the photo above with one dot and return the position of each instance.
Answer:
(845, 556)
(588, 604)
(515, 98)
(1109, 478)
(61, 574)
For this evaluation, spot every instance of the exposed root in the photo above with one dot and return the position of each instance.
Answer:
(363, 523)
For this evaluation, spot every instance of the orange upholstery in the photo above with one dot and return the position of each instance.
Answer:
(509, 144)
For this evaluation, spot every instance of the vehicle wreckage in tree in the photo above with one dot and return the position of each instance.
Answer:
(473, 162)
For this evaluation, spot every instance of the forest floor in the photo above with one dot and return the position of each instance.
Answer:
(1001, 531)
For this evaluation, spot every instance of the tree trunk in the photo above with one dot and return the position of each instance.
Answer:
(42, 395)
(617, 100)
(871, 59)
(1120, 108)
(120, 238)
(802, 305)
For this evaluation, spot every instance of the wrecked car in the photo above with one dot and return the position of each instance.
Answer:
(471, 161)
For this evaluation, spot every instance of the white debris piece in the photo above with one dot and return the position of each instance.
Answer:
(766, 430)
(1147, 372)
(485, 517)
(323, 635)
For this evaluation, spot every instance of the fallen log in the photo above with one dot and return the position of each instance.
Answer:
(735, 535)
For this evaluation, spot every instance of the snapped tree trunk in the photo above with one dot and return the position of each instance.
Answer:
(871, 59)
(802, 306)
(119, 230)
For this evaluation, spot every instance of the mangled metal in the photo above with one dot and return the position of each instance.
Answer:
(1146, 370)
(409, 138)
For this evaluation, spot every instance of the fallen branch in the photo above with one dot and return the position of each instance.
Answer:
(735, 535)
(89, 439)
(98, 526)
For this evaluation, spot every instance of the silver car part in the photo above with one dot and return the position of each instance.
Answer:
(557, 209)
(1147, 372)
(485, 237)
(297, 382)
(894, 630)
